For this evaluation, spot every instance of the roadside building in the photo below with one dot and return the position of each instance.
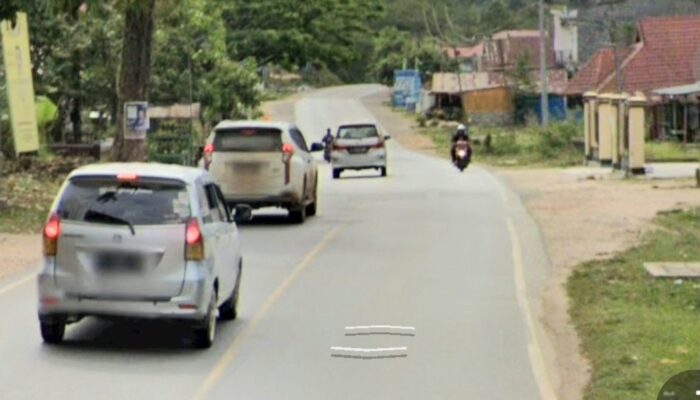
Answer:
(663, 65)
(469, 57)
(505, 87)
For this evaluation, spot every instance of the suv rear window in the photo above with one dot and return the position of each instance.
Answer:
(248, 140)
(357, 132)
(105, 200)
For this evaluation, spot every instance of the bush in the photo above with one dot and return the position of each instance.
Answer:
(556, 138)
(421, 120)
(506, 144)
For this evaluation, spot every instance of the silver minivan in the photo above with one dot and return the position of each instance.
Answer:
(139, 240)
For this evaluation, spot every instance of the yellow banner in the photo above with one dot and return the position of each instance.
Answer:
(20, 86)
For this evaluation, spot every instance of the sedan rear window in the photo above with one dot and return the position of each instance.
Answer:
(357, 132)
(105, 200)
(248, 140)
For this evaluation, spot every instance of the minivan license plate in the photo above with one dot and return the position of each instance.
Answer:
(119, 262)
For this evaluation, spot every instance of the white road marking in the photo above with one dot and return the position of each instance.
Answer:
(16, 284)
(368, 327)
(227, 358)
(375, 350)
(537, 363)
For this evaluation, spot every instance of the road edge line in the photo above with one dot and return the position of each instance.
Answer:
(215, 374)
(537, 361)
(16, 284)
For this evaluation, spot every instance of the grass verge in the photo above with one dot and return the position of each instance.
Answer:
(638, 331)
(672, 152)
(27, 191)
(555, 146)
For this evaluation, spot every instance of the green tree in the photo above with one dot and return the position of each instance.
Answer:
(191, 61)
(134, 70)
(394, 48)
(293, 34)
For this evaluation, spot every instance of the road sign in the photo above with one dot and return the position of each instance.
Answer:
(20, 86)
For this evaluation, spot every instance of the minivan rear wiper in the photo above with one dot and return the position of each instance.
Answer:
(92, 215)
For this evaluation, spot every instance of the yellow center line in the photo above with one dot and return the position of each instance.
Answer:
(16, 284)
(218, 370)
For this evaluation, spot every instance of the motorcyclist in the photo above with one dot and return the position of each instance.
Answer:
(461, 134)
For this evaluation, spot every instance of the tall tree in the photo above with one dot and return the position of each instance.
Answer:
(293, 33)
(135, 71)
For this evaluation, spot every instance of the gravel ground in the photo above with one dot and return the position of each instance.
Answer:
(20, 252)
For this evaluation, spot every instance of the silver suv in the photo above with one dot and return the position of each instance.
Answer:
(139, 241)
(264, 164)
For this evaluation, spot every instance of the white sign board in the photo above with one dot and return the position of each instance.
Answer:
(136, 122)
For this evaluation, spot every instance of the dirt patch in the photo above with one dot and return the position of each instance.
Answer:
(20, 252)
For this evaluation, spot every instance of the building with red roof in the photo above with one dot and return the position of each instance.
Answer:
(666, 55)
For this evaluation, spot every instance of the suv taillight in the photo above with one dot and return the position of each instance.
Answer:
(52, 230)
(194, 242)
(287, 153)
(379, 145)
(208, 151)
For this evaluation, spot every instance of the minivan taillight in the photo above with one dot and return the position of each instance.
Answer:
(194, 242)
(52, 230)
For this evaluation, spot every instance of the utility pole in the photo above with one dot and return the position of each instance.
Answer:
(544, 96)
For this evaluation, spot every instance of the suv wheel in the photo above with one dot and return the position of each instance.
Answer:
(298, 216)
(52, 331)
(311, 208)
(205, 332)
(229, 310)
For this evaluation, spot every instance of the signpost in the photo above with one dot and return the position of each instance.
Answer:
(20, 86)
(136, 122)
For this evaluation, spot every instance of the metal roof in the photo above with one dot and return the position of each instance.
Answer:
(679, 90)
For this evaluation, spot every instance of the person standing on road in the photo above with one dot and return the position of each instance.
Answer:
(327, 143)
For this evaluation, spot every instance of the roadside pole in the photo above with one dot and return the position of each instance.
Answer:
(544, 96)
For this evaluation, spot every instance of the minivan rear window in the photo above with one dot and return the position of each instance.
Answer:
(357, 132)
(248, 140)
(143, 202)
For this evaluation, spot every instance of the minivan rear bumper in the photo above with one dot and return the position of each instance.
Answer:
(190, 304)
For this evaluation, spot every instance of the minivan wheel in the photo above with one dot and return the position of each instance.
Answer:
(298, 216)
(52, 331)
(383, 171)
(229, 310)
(205, 332)
(336, 173)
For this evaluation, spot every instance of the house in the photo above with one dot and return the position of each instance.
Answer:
(666, 54)
(487, 93)
(469, 57)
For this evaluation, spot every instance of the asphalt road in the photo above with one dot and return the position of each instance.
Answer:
(447, 254)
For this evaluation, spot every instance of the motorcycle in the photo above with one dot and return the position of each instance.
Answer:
(462, 154)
